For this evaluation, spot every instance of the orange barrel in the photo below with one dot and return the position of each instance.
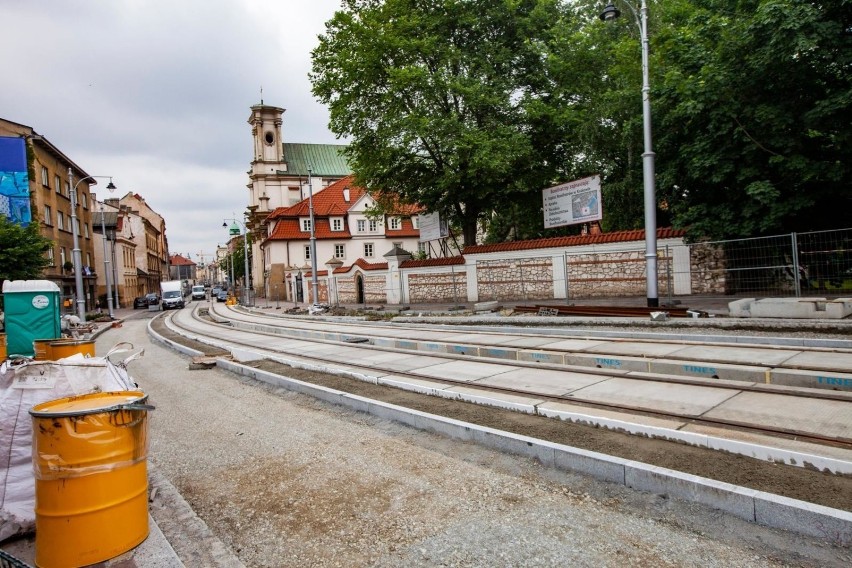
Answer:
(3, 352)
(41, 347)
(65, 348)
(91, 479)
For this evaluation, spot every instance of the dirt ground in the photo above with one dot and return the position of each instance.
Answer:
(817, 487)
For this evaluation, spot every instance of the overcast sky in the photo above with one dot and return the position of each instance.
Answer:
(156, 93)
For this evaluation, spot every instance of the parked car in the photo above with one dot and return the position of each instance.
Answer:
(140, 302)
(222, 296)
(215, 291)
(152, 299)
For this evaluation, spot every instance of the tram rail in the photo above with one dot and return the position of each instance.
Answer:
(205, 329)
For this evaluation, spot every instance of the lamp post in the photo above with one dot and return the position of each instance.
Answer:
(234, 230)
(75, 252)
(611, 13)
(314, 277)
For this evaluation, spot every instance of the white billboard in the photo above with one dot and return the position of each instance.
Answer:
(577, 201)
(432, 227)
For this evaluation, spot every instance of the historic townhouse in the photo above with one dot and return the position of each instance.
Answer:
(346, 236)
(50, 204)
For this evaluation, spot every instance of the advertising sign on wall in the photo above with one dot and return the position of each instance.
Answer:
(14, 181)
(577, 201)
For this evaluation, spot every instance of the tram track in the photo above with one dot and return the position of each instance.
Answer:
(485, 392)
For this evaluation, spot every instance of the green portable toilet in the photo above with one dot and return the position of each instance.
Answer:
(31, 312)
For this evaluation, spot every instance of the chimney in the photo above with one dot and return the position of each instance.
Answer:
(595, 228)
(346, 194)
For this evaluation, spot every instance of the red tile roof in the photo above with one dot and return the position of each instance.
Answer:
(363, 265)
(178, 260)
(448, 261)
(407, 230)
(291, 229)
(578, 240)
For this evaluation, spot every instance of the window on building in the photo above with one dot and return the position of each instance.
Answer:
(415, 221)
(60, 221)
(57, 184)
(421, 248)
(45, 180)
(374, 225)
(368, 250)
(306, 225)
(50, 256)
(339, 251)
(48, 215)
(337, 224)
(67, 189)
(62, 256)
(394, 224)
(84, 199)
(86, 230)
(398, 245)
(307, 252)
(362, 225)
(88, 259)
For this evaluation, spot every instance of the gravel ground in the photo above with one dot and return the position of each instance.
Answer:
(284, 480)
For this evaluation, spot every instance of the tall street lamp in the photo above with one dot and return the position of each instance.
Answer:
(314, 277)
(107, 274)
(75, 252)
(234, 230)
(611, 13)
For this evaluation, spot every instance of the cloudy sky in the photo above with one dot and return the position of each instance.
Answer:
(156, 93)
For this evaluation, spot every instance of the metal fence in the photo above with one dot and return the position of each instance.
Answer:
(794, 264)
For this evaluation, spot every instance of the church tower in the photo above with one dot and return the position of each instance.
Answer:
(266, 187)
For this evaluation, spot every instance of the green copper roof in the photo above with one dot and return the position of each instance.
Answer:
(323, 159)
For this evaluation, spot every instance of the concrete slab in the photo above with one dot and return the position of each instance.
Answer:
(737, 354)
(723, 371)
(407, 362)
(638, 349)
(423, 386)
(508, 401)
(544, 357)
(585, 415)
(615, 362)
(544, 381)
(813, 416)
(573, 344)
(462, 370)
(824, 361)
(684, 399)
(812, 379)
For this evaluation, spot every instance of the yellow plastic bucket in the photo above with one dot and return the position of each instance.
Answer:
(3, 352)
(91, 478)
(65, 348)
(41, 347)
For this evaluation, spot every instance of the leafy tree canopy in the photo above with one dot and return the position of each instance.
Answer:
(754, 100)
(445, 102)
(22, 251)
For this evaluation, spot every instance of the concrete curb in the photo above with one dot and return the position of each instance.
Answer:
(832, 525)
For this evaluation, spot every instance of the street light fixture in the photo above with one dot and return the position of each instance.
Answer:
(112, 188)
(75, 252)
(611, 13)
(234, 230)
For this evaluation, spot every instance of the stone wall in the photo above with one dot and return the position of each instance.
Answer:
(515, 279)
(449, 286)
(374, 288)
(708, 269)
(618, 273)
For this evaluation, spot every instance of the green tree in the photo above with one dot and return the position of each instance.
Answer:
(447, 103)
(754, 100)
(22, 251)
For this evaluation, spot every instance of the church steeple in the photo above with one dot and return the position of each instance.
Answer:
(266, 123)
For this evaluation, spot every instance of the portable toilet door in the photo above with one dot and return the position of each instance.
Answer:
(31, 312)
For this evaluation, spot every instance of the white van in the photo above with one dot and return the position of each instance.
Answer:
(198, 293)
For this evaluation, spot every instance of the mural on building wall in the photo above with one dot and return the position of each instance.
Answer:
(14, 181)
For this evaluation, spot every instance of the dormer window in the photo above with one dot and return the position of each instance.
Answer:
(415, 221)
(394, 224)
(306, 225)
(337, 224)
